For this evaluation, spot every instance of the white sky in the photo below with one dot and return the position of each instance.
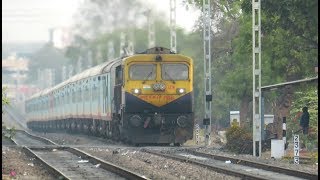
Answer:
(184, 18)
(30, 20)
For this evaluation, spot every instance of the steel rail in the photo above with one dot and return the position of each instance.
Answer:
(55, 172)
(267, 167)
(43, 139)
(123, 172)
(107, 165)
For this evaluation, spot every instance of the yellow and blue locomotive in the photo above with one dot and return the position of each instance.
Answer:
(143, 98)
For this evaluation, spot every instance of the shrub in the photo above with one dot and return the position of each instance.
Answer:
(238, 140)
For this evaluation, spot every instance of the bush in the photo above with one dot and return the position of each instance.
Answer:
(238, 140)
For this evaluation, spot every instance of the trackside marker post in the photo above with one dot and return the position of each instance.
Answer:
(197, 133)
(296, 149)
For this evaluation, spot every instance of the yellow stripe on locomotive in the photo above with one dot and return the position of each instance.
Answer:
(158, 79)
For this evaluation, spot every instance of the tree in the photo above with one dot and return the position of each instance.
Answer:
(5, 100)
(289, 50)
(96, 17)
(46, 57)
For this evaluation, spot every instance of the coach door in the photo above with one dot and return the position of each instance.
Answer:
(117, 89)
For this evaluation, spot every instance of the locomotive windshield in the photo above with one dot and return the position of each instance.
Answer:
(142, 72)
(174, 72)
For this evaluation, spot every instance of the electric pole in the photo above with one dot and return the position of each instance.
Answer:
(207, 70)
(256, 74)
(173, 37)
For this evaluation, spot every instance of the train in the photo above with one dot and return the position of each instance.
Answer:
(142, 98)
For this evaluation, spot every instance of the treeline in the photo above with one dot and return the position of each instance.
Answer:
(289, 49)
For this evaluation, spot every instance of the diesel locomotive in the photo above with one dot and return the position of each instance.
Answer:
(143, 98)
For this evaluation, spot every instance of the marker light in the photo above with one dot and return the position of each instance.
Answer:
(136, 91)
(181, 90)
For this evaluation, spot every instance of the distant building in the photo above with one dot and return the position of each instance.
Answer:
(14, 75)
(14, 70)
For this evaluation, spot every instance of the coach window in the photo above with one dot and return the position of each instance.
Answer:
(87, 93)
(78, 94)
(174, 72)
(142, 72)
(74, 95)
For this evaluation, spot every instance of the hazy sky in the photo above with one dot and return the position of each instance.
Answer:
(29, 20)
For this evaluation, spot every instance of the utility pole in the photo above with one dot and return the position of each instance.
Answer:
(110, 50)
(207, 70)
(151, 32)
(256, 74)
(79, 63)
(39, 74)
(53, 77)
(130, 41)
(122, 44)
(89, 59)
(70, 71)
(173, 37)
(64, 73)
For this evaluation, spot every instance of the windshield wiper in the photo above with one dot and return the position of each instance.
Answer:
(170, 78)
(147, 77)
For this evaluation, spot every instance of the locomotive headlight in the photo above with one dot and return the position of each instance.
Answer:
(136, 91)
(181, 90)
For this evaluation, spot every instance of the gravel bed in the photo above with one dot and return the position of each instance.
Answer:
(152, 166)
(17, 165)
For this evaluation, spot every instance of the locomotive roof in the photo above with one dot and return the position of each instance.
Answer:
(96, 70)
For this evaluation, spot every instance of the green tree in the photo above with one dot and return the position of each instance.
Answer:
(289, 51)
(5, 100)
(46, 57)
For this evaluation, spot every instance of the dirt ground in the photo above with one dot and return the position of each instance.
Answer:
(17, 165)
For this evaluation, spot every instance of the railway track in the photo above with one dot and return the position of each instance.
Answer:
(68, 162)
(24, 138)
(39, 148)
(236, 167)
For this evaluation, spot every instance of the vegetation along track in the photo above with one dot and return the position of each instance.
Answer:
(232, 166)
(70, 163)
